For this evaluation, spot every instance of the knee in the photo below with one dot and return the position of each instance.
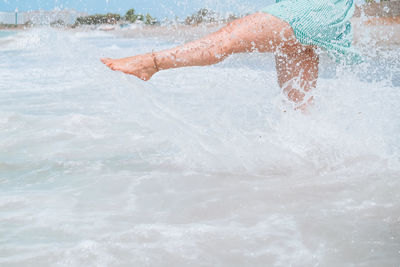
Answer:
(295, 95)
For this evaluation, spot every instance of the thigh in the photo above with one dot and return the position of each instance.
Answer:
(262, 32)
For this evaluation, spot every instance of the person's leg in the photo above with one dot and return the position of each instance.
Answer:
(261, 32)
(297, 74)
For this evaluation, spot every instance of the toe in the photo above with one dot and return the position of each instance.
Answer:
(106, 60)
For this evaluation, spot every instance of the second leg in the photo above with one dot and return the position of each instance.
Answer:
(297, 73)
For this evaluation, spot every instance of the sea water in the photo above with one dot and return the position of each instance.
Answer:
(201, 166)
(6, 33)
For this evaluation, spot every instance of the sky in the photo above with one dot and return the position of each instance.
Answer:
(157, 8)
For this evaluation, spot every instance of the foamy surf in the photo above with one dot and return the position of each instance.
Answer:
(200, 166)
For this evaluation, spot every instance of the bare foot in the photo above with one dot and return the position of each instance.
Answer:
(141, 66)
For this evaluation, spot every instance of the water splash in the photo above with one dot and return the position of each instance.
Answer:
(199, 164)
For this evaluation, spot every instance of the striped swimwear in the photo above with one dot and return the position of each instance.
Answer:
(323, 23)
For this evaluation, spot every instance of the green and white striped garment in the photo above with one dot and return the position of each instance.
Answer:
(323, 23)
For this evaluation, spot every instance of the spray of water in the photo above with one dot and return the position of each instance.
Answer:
(199, 166)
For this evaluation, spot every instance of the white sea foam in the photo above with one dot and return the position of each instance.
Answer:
(198, 166)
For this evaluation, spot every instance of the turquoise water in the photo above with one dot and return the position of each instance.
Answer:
(197, 167)
(6, 33)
